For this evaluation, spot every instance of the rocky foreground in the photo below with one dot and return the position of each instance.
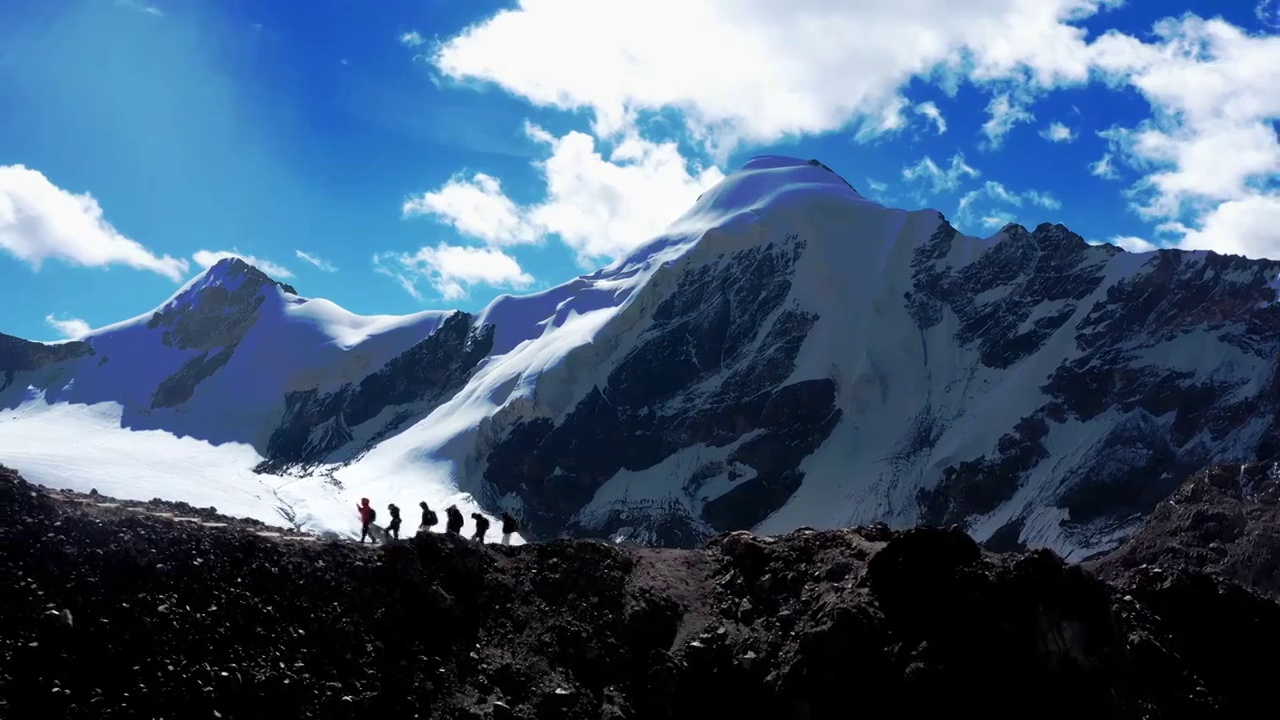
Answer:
(110, 614)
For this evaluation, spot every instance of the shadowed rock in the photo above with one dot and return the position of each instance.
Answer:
(113, 614)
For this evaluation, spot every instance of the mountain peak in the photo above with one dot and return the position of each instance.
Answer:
(233, 270)
(215, 308)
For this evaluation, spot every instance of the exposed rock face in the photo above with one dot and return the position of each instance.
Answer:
(17, 355)
(1225, 519)
(212, 317)
(660, 399)
(316, 424)
(1141, 368)
(115, 615)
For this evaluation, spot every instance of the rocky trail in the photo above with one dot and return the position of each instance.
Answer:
(156, 610)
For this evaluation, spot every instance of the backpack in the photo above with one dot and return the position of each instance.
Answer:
(432, 518)
(373, 515)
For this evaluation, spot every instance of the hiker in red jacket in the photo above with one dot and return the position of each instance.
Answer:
(367, 516)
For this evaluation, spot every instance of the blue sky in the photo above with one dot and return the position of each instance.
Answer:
(411, 154)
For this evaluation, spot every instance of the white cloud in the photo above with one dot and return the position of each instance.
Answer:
(208, 258)
(774, 69)
(1057, 132)
(931, 111)
(453, 270)
(40, 221)
(1133, 244)
(72, 328)
(1210, 156)
(319, 262)
(993, 193)
(877, 186)
(941, 180)
(476, 208)
(774, 72)
(1104, 168)
(1005, 112)
(997, 220)
(604, 208)
(1249, 226)
(1268, 13)
(601, 208)
(412, 39)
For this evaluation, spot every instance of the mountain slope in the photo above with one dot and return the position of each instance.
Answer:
(787, 353)
(1224, 520)
(117, 614)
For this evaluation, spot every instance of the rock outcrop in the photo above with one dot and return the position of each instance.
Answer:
(113, 615)
(1224, 520)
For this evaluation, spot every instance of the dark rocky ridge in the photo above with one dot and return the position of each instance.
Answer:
(1141, 462)
(113, 616)
(212, 318)
(725, 318)
(1224, 519)
(18, 355)
(316, 424)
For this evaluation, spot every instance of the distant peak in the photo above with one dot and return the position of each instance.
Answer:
(233, 270)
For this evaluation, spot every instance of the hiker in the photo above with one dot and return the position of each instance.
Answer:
(393, 527)
(482, 525)
(429, 517)
(454, 524)
(509, 526)
(367, 516)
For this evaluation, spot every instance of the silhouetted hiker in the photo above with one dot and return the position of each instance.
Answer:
(393, 528)
(509, 526)
(367, 516)
(482, 525)
(454, 525)
(429, 517)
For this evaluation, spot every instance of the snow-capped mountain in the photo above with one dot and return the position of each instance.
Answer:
(787, 353)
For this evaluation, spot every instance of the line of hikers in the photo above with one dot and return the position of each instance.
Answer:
(429, 520)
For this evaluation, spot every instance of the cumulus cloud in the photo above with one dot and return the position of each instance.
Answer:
(774, 69)
(208, 258)
(477, 208)
(1057, 132)
(1249, 226)
(603, 208)
(941, 180)
(40, 221)
(1210, 157)
(319, 262)
(1207, 159)
(600, 206)
(71, 328)
(453, 270)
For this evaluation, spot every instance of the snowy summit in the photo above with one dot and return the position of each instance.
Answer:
(787, 353)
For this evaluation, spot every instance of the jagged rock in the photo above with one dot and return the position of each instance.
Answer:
(921, 621)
